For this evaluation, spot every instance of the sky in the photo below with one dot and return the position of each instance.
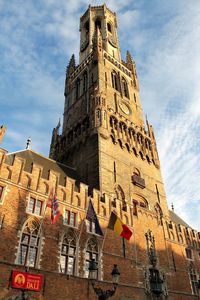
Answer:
(37, 39)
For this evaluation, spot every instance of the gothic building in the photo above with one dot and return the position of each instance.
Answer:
(106, 155)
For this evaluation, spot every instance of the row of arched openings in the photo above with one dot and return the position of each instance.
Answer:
(120, 84)
(30, 247)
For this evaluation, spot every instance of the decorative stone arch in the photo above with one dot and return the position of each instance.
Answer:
(140, 201)
(30, 243)
(92, 250)
(125, 91)
(115, 80)
(136, 172)
(69, 252)
(120, 195)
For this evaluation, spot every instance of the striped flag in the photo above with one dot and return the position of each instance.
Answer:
(116, 224)
(54, 205)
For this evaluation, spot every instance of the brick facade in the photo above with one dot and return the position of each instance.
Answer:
(105, 154)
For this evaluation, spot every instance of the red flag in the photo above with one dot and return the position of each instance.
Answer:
(53, 204)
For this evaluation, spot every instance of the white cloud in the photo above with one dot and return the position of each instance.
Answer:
(36, 40)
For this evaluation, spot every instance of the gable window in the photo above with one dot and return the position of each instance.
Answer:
(70, 218)
(35, 206)
(92, 252)
(29, 244)
(68, 254)
(1, 193)
(90, 226)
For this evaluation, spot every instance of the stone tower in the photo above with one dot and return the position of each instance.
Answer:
(104, 136)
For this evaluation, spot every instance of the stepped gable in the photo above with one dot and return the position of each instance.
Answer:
(31, 157)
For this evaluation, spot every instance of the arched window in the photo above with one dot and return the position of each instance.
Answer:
(77, 87)
(28, 254)
(115, 80)
(98, 23)
(68, 254)
(85, 81)
(125, 88)
(92, 252)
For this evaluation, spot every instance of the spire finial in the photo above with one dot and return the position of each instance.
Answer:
(28, 143)
(172, 206)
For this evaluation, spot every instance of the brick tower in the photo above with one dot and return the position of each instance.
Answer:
(104, 136)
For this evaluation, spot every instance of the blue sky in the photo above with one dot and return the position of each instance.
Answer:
(37, 39)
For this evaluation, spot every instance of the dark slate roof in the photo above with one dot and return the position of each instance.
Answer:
(32, 157)
(176, 219)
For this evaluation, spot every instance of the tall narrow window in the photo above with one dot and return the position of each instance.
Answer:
(78, 84)
(109, 27)
(115, 80)
(1, 193)
(68, 254)
(115, 175)
(193, 280)
(85, 81)
(92, 252)
(29, 243)
(125, 88)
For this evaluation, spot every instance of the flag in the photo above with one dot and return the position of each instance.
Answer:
(53, 204)
(116, 224)
(92, 217)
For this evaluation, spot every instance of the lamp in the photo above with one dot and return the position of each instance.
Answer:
(103, 295)
(115, 275)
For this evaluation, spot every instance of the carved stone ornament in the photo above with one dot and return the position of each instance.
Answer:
(125, 108)
(112, 41)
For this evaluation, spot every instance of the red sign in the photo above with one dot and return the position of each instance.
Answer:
(26, 281)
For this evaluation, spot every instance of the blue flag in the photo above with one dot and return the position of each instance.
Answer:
(92, 217)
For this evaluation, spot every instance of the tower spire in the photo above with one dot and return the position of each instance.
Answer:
(2, 132)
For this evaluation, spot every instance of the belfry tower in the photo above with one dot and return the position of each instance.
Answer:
(104, 136)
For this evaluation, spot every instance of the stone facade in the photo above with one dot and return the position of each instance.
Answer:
(106, 154)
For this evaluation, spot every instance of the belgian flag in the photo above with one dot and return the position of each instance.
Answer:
(116, 224)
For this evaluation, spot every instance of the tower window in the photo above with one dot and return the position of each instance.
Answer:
(98, 23)
(115, 81)
(77, 87)
(125, 88)
(85, 81)
(109, 27)
(87, 27)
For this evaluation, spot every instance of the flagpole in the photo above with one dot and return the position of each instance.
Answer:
(124, 247)
(104, 239)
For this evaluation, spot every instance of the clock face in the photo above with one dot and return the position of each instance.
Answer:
(125, 108)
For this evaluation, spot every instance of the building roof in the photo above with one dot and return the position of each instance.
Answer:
(31, 157)
(176, 219)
